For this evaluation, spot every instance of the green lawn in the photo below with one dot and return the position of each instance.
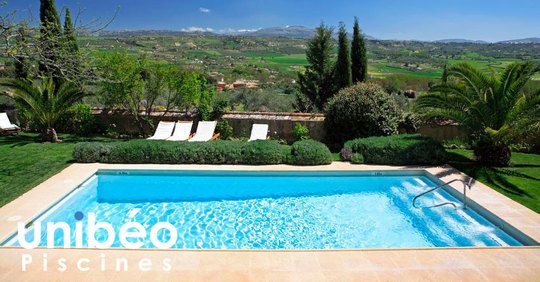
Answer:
(520, 181)
(25, 163)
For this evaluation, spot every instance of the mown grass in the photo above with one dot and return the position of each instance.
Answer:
(25, 162)
(520, 182)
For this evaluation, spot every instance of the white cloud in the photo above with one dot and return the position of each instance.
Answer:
(197, 29)
(204, 10)
(248, 30)
(236, 31)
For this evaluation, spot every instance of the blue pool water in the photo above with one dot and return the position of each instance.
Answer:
(276, 210)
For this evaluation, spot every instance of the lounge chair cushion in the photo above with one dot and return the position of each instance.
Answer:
(259, 132)
(5, 123)
(163, 131)
(182, 130)
(205, 131)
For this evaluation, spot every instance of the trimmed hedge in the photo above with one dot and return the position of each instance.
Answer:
(310, 152)
(260, 152)
(92, 152)
(265, 152)
(404, 149)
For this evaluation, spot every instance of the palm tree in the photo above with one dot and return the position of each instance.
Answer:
(44, 101)
(493, 109)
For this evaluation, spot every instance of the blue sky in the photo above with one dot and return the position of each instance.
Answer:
(490, 20)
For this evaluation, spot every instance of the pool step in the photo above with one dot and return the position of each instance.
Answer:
(465, 186)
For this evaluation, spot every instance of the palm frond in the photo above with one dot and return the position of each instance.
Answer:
(485, 103)
(43, 99)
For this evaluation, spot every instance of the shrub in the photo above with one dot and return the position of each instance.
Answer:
(357, 158)
(91, 152)
(408, 123)
(216, 152)
(310, 152)
(405, 149)
(362, 110)
(79, 120)
(300, 132)
(224, 129)
(167, 152)
(346, 154)
(492, 154)
(265, 152)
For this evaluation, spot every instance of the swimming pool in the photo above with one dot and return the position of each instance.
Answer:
(273, 210)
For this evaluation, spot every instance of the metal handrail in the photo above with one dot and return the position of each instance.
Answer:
(465, 186)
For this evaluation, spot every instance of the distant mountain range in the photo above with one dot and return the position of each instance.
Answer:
(300, 32)
(535, 40)
(294, 31)
(288, 31)
(530, 40)
(461, 41)
(128, 33)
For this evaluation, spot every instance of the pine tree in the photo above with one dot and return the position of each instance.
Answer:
(342, 71)
(51, 32)
(358, 55)
(316, 83)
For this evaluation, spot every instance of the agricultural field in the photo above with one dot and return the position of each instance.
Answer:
(277, 60)
(280, 59)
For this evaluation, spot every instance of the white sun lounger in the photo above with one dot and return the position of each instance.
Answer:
(259, 132)
(163, 131)
(6, 125)
(182, 130)
(205, 132)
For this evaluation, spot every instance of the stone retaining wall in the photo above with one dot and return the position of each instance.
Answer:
(281, 125)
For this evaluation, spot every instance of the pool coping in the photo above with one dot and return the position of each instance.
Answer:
(35, 201)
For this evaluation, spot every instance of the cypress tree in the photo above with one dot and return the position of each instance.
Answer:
(342, 72)
(70, 47)
(445, 73)
(69, 34)
(358, 55)
(51, 31)
(316, 83)
(22, 65)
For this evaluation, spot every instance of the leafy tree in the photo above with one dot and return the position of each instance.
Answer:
(120, 76)
(157, 80)
(193, 91)
(358, 55)
(342, 73)
(494, 109)
(183, 89)
(260, 100)
(206, 94)
(130, 83)
(122, 84)
(50, 35)
(44, 101)
(316, 83)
